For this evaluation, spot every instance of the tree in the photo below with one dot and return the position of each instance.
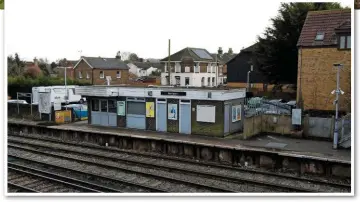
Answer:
(33, 72)
(118, 55)
(276, 52)
(133, 57)
(53, 65)
(15, 65)
(125, 56)
(44, 66)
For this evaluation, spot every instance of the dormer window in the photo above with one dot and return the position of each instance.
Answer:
(319, 36)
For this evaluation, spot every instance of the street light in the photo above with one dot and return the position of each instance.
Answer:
(248, 77)
(336, 102)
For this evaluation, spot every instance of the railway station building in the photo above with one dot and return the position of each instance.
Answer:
(201, 111)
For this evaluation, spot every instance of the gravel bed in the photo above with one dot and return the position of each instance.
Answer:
(38, 184)
(173, 174)
(226, 172)
(107, 172)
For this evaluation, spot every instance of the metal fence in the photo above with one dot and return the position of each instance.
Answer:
(258, 106)
(344, 130)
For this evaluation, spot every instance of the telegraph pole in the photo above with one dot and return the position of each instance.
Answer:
(169, 67)
(336, 102)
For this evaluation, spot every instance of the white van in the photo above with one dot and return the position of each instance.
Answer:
(57, 91)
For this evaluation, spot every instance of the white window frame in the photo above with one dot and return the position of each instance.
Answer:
(80, 75)
(102, 75)
(208, 68)
(118, 74)
(177, 68)
(165, 68)
(87, 75)
(187, 69)
(213, 68)
(196, 67)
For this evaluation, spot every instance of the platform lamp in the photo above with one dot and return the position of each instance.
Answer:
(248, 75)
(338, 91)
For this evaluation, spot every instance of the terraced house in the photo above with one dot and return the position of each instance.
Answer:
(190, 67)
(97, 69)
(325, 40)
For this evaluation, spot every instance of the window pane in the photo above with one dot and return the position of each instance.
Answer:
(95, 105)
(137, 108)
(112, 106)
(348, 42)
(342, 42)
(103, 105)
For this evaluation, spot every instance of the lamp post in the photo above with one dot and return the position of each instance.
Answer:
(248, 78)
(336, 102)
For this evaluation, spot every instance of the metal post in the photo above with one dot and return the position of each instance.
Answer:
(169, 67)
(248, 81)
(337, 91)
(17, 102)
(31, 103)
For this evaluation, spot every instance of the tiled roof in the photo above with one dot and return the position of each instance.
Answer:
(326, 21)
(190, 52)
(105, 63)
(249, 49)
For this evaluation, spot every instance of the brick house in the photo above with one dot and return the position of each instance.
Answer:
(325, 39)
(96, 69)
(59, 71)
(357, 4)
(222, 59)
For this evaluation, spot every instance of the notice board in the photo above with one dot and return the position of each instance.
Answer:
(205, 113)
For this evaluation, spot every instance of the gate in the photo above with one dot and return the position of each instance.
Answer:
(161, 115)
(185, 117)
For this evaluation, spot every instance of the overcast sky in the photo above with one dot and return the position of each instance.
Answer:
(56, 29)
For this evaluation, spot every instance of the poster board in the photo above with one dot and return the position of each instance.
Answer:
(121, 108)
(296, 117)
(172, 111)
(150, 109)
(57, 104)
(236, 113)
(205, 113)
(44, 102)
(63, 116)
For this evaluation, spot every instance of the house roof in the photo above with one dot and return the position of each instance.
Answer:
(249, 49)
(147, 65)
(223, 58)
(327, 21)
(104, 63)
(197, 54)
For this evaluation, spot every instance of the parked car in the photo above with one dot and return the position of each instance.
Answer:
(57, 92)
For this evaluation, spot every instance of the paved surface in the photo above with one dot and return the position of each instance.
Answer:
(284, 146)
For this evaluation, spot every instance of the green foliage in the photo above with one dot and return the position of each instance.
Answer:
(276, 52)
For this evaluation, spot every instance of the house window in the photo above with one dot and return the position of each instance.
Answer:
(166, 68)
(187, 69)
(213, 68)
(87, 75)
(208, 68)
(177, 67)
(320, 36)
(345, 42)
(177, 80)
(202, 81)
(102, 75)
(213, 81)
(80, 75)
(118, 74)
(187, 81)
(208, 81)
(196, 67)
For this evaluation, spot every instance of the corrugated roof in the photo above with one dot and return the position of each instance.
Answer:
(105, 63)
(326, 21)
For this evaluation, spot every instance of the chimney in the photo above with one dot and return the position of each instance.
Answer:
(220, 51)
(118, 55)
(36, 63)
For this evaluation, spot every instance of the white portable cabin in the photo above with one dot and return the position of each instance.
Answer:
(57, 91)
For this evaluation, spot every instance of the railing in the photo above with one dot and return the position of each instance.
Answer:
(344, 129)
(258, 106)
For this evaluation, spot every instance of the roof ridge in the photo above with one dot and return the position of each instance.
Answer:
(330, 10)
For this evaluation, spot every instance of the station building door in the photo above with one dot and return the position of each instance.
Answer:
(185, 117)
(161, 115)
(136, 113)
(103, 112)
(226, 118)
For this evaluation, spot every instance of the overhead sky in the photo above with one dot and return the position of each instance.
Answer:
(56, 29)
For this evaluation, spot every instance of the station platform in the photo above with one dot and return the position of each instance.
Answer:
(285, 146)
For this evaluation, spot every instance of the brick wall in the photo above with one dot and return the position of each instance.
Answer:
(94, 75)
(317, 78)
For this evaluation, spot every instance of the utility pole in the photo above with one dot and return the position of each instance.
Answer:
(248, 78)
(336, 102)
(169, 67)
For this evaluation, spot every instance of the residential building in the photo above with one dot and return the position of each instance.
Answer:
(325, 40)
(33, 67)
(141, 69)
(97, 69)
(222, 59)
(241, 73)
(190, 67)
(59, 71)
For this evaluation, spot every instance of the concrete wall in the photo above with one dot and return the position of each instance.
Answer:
(315, 67)
(319, 127)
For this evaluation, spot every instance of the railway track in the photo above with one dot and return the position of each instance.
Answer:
(23, 180)
(220, 173)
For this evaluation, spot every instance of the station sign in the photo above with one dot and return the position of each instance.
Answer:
(176, 93)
